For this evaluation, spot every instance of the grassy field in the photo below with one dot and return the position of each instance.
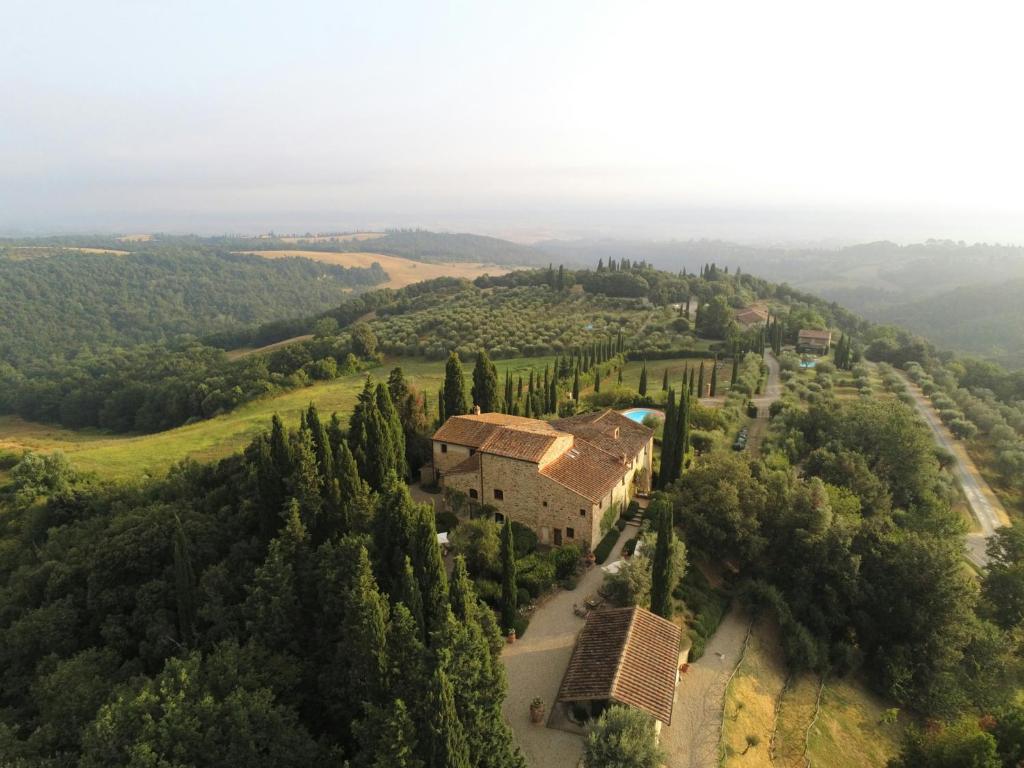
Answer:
(401, 272)
(782, 723)
(124, 456)
(751, 699)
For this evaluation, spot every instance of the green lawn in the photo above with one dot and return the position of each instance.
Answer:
(123, 456)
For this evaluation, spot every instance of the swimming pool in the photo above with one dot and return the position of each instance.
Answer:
(807, 363)
(639, 414)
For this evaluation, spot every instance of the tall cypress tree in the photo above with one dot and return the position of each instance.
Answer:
(597, 379)
(411, 596)
(364, 633)
(546, 392)
(668, 441)
(735, 369)
(714, 378)
(395, 431)
(664, 381)
(509, 598)
(448, 748)
(460, 591)
(322, 447)
(576, 386)
(454, 387)
(662, 578)
(692, 384)
(642, 388)
(354, 507)
(429, 568)
(393, 534)
(700, 380)
(485, 383)
(553, 394)
(305, 482)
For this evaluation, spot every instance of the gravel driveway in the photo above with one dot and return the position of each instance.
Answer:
(691, 741)
(535, 666)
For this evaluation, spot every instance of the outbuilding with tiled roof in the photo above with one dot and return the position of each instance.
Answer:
(625, 656)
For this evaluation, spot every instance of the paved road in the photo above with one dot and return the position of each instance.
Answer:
(983, 503)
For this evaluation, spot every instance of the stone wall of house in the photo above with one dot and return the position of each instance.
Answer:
(445, 460)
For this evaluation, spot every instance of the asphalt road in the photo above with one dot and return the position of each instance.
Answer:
(983, 503)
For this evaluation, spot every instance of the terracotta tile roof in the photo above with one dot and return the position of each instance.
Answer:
(473, 430)
(604, 432)
(816, 335)
(600, 428)
(518, 443)
(628, 655)
(751, 316)
(586, 470)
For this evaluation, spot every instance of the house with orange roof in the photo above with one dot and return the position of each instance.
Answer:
(559, 477)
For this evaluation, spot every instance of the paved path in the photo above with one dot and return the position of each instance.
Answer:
(691, 741)
(536, 664)
(985, 507)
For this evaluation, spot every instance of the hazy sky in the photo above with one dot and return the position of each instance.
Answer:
(531, 115)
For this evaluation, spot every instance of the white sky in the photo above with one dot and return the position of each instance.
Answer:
(129, 113)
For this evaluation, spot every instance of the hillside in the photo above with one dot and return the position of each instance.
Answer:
(416, 244)
(981, 320)
(68, 300)
(401, 271)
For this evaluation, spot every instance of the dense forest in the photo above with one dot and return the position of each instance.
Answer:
(60, 304)
(286, 607)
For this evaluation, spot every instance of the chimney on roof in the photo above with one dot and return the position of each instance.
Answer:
(476, 410)
(616, 434)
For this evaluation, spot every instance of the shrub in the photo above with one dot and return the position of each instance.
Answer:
(524, 538)
(569, 583)
(477, 541)
(536, 574)
(632, 509)
(520, 624)
(604, 548)
(566, 560)
(630, 546)
(522, 597)
(489, 591)
(620, 524)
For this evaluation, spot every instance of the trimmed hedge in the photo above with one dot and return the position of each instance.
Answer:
(602, 550)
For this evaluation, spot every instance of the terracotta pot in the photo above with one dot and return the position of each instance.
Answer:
(536, 714)
(511, 638)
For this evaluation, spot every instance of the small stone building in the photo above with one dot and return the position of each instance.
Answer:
(816, 342)
(557, 477)
(624, 656)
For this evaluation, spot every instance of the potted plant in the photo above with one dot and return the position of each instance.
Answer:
(511, 636)
(537, 710)
(590, 558)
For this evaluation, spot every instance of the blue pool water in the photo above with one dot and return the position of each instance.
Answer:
(639, 414)
(807, 364)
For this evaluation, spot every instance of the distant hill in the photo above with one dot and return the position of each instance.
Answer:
(981, 320)
(67, 301)
(912, 285)
(418, 244)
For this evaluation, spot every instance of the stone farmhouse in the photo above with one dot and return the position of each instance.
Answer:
(817, 342)
(557, 477)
